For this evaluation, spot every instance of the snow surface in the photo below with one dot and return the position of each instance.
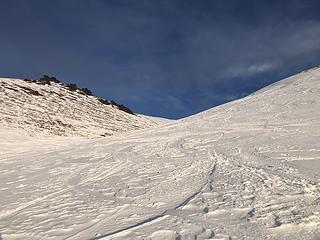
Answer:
(248, 169)
(55, 110)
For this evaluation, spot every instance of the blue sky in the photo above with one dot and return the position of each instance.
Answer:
(169, 58)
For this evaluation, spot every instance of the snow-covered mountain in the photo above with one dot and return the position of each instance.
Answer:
(47, 107)
(248, 169)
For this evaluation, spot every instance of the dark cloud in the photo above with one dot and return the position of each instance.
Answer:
(170, 58)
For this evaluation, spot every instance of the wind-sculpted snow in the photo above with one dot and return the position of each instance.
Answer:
(248, 169)
(55, 110)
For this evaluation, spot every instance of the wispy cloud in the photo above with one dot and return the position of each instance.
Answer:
(260, 68)
(243, 71)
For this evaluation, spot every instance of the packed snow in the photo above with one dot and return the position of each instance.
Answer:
(248, 169)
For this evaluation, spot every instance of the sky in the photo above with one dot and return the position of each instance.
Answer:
(168, 58)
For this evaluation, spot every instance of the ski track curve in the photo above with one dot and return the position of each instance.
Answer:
(166, 212)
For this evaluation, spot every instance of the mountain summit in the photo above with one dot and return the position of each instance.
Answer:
(48, 107)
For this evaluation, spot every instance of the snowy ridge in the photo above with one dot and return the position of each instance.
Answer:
(55, 110)
(248, 169)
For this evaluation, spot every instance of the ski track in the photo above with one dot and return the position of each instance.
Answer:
(244, 170)
(165, 213)
(74, 185)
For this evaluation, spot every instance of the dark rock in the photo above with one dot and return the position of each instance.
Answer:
(86, 91)
(46, 80)
(105, 135)
(121, 107)
(113, 103)
(104, 101)
(125, 109)
(72, 86)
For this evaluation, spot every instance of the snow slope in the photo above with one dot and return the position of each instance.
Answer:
(248, 169)
(55, 110)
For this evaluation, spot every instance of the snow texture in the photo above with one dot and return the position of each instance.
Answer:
(55, 110)
(248, 169)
